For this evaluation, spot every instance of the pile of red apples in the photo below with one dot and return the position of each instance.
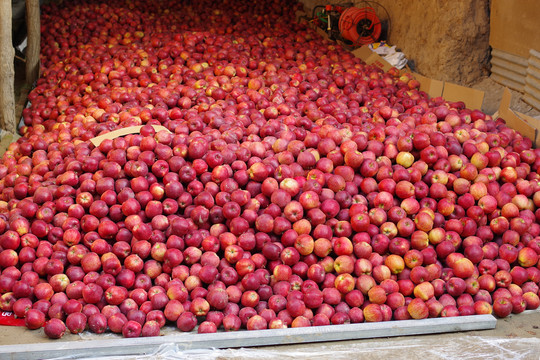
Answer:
(296, 186)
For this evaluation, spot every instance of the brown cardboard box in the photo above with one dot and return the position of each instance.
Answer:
(371, 58)
(472, 98)
(524, 124)
(514, 26)
(432, 87)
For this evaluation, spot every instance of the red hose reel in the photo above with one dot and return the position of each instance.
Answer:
(361, 26)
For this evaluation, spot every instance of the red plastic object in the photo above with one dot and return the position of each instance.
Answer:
(365, 17)
(7, 318)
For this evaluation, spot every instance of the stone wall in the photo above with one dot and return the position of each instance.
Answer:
(446, 40)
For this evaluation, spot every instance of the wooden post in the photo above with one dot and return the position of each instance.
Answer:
(7, 71)
(33, 27)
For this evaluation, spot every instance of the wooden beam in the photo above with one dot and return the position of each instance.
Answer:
(33, 26)
(7, 70)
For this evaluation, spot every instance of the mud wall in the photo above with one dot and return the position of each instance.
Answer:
(445, 40)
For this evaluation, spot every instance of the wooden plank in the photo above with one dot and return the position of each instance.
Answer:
(185, 341)
(7, 71)
(33, 27)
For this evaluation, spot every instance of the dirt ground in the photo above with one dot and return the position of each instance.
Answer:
(493, 93)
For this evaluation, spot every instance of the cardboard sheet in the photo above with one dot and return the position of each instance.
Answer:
(122, 132)
(471, 97)
(432, 87)
(526, 125)
(371, 58)
(514, 26)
